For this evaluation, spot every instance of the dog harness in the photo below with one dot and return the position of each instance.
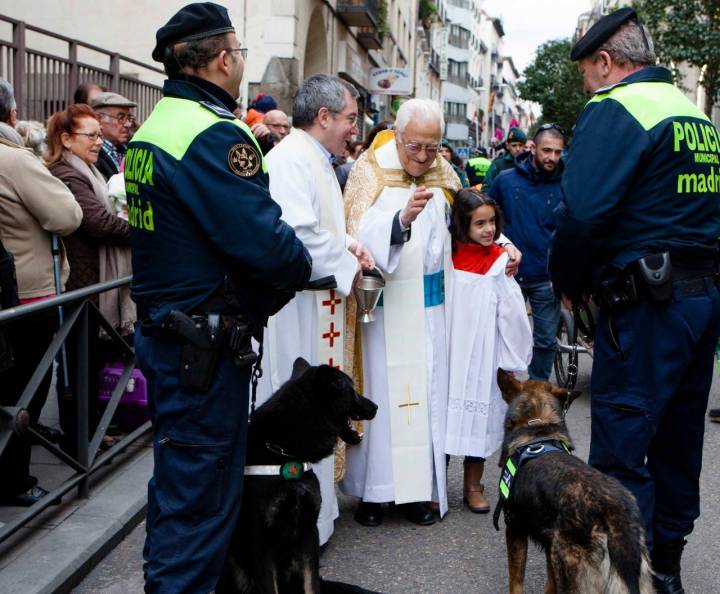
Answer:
(289, 471)
(524, 453)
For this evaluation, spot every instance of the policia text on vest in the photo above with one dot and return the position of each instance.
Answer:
(139, 169)
(703, 141)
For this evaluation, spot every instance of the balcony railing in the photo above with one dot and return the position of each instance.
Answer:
(435, 61)
(456, 118)
(369, 38)
(459, 41)
(45, 82)
(458, 79)
(358, 13)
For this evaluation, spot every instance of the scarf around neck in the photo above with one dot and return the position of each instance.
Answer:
(115, 261)
(476, 258)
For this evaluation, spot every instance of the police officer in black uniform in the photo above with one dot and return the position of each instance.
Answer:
(638, 229)
(211, 261)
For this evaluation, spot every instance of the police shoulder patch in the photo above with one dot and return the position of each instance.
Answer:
(244, 160)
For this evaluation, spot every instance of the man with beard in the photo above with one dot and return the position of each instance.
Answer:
(527, 195)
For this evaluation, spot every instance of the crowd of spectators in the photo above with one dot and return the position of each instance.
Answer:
(54, 192)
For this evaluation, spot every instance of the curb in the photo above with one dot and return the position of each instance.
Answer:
(60, 560)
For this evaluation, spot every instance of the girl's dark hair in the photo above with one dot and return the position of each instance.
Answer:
(466, 201)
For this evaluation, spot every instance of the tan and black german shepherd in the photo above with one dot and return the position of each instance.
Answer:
(588, 524)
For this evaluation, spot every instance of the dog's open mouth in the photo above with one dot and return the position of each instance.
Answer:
(350, 433)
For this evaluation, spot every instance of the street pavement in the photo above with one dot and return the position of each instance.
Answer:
(463, 553)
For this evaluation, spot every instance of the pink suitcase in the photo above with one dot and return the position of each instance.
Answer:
(132, 410)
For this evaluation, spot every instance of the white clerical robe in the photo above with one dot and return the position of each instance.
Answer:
(303, 183)
(489, 329)
(404, 351)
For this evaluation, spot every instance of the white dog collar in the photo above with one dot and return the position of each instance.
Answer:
(289, 470)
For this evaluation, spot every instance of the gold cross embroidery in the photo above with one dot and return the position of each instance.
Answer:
(409, 404)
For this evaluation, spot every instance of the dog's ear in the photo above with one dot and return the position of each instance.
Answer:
(509, 386)
(335, 377)
(299, 367)
(563, 394)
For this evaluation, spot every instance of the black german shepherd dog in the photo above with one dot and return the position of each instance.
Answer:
(275, 546)
(588, 524)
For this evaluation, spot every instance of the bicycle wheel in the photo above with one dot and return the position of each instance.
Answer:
(566, 356)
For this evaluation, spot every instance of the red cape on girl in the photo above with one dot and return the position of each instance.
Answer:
(473, 257)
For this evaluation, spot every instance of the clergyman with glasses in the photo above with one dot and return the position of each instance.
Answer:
(116, 122)
(397, 203)
(209, 250)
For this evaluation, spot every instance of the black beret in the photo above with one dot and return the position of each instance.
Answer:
(600, 32)
(194, 21)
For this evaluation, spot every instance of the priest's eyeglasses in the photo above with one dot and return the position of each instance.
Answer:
(413, 148)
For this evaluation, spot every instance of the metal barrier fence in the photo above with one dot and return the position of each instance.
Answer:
(77, 309)
(44, 82)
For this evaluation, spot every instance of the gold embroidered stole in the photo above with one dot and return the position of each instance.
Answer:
(365, 183)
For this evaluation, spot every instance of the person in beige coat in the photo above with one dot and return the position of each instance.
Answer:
(33, 205)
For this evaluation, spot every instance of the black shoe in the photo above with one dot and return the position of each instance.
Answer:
(665, 557)
(714, 414)
(369, 514)
(668, 583)
(28, 498)
(418, 513)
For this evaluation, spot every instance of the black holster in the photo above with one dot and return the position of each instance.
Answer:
(201, 345)
(648, 278)
(617, 291)
(239, 341)
(205, 338)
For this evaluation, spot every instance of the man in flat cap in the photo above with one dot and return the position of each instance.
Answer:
(116, 121)
(638, 230)
(211, 261)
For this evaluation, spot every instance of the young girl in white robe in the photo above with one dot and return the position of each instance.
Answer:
(488, 329)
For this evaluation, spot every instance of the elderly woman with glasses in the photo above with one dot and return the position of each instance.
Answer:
(99, 250)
